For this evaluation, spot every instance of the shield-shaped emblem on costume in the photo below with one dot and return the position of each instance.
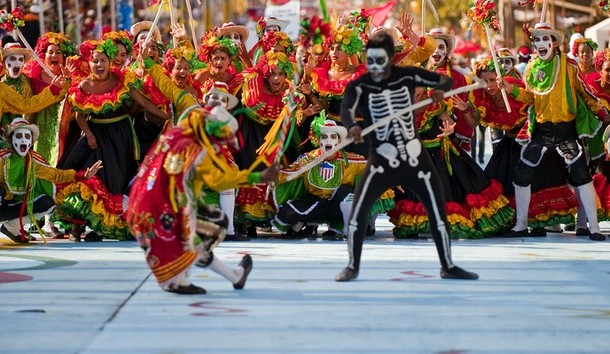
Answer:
(327, 171)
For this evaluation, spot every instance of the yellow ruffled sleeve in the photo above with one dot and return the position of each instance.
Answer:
(13, 102)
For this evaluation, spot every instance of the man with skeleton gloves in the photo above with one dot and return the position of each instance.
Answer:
(396, 156)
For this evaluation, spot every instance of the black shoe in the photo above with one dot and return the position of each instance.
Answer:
(538, 232)
(583, 232)
(76, 232)
(458, 273)
(251, 232)
(331, 235)
(370, 231)
(292, 235)
(93, 237)
(309, 230)
(347, 274)
(55, 233)
(513, 233)
(186, 289)
(13, 237)
(597, 237)
(236, 237)
(245, 263)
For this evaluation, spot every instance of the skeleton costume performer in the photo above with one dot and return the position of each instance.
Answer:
(27, 181)
(553, 202)
(324, 193)
(179, 166)
(396, 156)
(561, 114)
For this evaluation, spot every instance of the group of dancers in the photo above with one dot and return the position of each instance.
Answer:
(181, 144)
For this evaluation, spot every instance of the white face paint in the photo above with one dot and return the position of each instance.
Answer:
(214, 99)
(22, 141)
(440, 53)
(234, 37)
(272, 28)
(377, 63)
(142, 36)
(13, 64)
(544, 46)
(507, 64)
(329, 140)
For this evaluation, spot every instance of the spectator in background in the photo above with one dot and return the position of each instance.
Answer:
(525, 54)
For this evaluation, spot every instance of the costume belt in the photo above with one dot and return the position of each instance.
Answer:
(447, 148)
(136, 143)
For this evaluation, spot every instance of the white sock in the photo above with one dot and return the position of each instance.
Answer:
(13, 226)
(231, 274)
(522, 201)
(588, 199)
(227, 205)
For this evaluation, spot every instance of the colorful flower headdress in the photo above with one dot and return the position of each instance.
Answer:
(211, 42)
(106, 46)
(482, 13)
(586, 41)
(347, 36)
(273, 59)
(185, 52)
(271, 39)
(314, 132)
(123, 37)
(314, 33)
(605, 6)
(601, 57)
(11, 20)
(261, 24)
(59, 39)
(486, 65)
(362, 21)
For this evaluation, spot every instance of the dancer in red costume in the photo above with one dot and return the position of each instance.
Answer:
(173, 232)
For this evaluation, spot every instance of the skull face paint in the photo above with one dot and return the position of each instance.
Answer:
(440, 53)
(22, 141)
(328, 140)
(13, 64)
(213, 99)
(377, 63)
(506, 64)
(235, 37)
(544, 46)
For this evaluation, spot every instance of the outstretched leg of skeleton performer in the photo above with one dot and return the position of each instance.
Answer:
(433, 201)
(369, 189)
(377, 178)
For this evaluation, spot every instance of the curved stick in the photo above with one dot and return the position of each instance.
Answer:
(498, 73)
(478, 84)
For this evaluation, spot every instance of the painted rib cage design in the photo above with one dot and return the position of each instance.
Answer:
(402, 128)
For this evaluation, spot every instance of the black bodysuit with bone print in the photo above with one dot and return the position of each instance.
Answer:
(396, 156)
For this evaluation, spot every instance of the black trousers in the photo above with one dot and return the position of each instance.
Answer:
(421, 179)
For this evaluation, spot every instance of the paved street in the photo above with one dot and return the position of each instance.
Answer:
(535, 295)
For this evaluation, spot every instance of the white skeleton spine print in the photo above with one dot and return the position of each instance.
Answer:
(402, 128)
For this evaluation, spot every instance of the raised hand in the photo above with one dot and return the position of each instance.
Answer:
(92, 171)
